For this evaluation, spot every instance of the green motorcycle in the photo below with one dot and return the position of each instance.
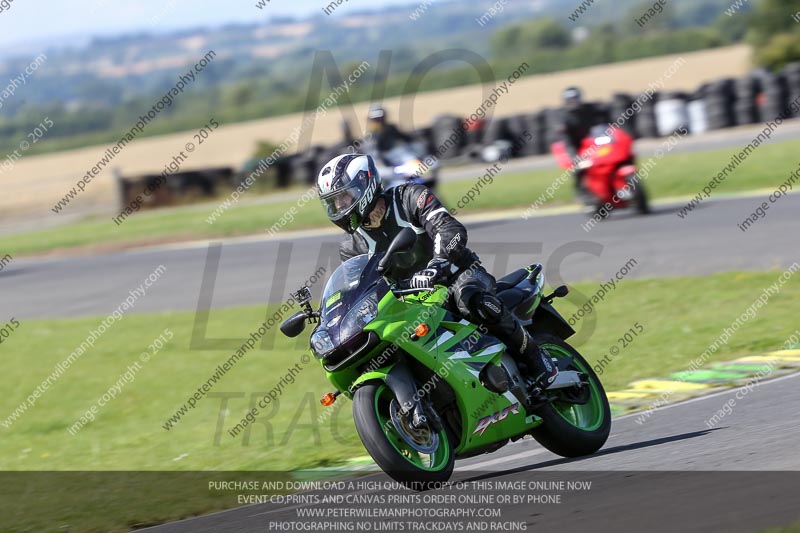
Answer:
(429, 387)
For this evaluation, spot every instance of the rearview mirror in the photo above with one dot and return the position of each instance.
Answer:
(402, 242)
(294, 325)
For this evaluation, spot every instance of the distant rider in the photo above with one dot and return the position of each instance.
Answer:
(385, 135)
(577, 123)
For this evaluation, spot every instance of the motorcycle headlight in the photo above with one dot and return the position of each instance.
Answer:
(359, 316)
(321, 343)
(413, 167)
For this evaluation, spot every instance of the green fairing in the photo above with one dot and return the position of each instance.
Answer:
(396, 321)
(455, 351)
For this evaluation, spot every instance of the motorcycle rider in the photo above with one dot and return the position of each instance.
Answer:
(578, 121)
(350, 190)
(384, 134)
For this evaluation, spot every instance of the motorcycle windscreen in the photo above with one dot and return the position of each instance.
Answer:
(356, 284)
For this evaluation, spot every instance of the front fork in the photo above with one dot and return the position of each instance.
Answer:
(401, 382)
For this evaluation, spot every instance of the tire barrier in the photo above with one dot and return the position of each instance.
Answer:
(305, 166)
(619, 107)
(714, 105)
(775, 96)
(424, 136)
(443, 129)
(747, 93)
(672, 114)
(517, 128)
(719, 100)
(554, 117)
(156, 190)
(696, 107)
(646, 125)
(495, 130)
(755, 98)
(536, 125)
(792, 73)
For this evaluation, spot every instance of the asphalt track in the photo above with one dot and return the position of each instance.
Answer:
(668, 473)
(253, 271)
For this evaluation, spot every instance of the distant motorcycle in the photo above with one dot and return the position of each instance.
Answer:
(407, 163)
(609, 173)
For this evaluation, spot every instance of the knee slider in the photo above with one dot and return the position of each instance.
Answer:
(489, 308)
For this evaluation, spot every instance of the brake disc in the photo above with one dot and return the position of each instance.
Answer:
(422, 440)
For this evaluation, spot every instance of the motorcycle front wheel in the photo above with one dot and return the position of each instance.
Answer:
(415, 458)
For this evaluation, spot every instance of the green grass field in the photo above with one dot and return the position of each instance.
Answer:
(128, 432)
(674, 175)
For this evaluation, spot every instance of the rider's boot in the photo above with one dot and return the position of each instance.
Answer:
(537, 360)
(505, 326)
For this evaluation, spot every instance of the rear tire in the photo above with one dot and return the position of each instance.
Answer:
(591, 424)
(386, 446)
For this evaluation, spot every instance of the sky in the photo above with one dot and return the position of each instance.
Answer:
(28, 21)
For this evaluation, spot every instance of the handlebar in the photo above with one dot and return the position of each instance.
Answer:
(403, 292)
(402, 288)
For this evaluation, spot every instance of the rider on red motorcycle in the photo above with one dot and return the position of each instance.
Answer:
(578, 121)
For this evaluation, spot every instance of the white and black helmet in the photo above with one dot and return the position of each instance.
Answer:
(376, 113)
(349, 187)
(573, 96)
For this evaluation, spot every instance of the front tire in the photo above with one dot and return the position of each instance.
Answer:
(396, 453)
(569, 429)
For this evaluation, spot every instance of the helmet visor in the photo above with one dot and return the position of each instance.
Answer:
(341, 203)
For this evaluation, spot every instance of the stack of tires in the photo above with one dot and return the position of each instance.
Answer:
(696, 108)
(792, 74)
(775, 99)
(720, 99)
(284, 170)
(747, 91)
(490, 133)
(671, 113)
(537, 127)
(306, 165)
(646, 125)
(526, 134)
(495, 130)
(424, 136)
(553, 120)
(443, 129)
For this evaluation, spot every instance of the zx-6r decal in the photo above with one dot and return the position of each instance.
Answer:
(499, 416)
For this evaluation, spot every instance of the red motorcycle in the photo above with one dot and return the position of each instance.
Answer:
(608, 171)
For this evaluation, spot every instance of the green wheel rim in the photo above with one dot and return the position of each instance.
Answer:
(434, 462)
(590, 415)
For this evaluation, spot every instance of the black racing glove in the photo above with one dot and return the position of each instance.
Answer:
(436, 272)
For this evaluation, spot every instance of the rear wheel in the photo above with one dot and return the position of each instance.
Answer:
(414, 457)
(578, 421)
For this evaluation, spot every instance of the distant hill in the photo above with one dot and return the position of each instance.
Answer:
(95, 90)
(108, 71)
